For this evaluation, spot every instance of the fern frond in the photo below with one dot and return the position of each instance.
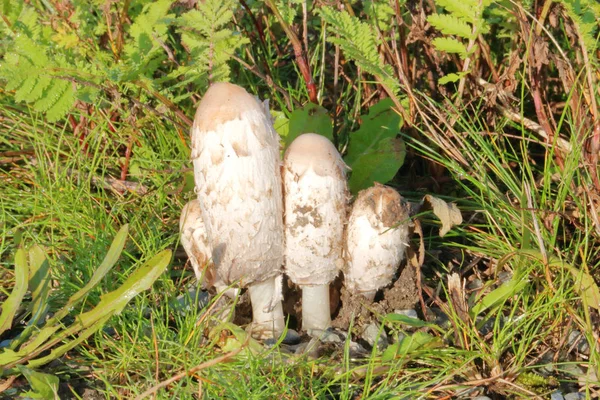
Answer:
(358, 42)
(451, 25)
(450, 45)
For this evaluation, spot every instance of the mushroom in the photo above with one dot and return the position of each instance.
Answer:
(376, 240)
(235, 152)
(315, 211)
(194, 240)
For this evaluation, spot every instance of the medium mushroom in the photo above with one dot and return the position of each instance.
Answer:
(315, 211)
(235, 152)
(376, 240)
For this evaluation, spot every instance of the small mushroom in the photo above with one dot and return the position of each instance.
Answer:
(235, 152)
(376, 240)
(315, 211)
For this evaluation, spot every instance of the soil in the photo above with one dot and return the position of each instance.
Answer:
(361, 312)
(346, 308)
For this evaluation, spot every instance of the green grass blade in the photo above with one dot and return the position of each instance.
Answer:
(10, 306)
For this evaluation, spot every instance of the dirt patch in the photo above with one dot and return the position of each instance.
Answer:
(357, 309)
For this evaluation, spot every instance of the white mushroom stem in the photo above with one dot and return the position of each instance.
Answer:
(315, 300)
(267, 311)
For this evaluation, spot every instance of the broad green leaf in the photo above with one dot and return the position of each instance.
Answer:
(39, 281)
(379, 164)
(39, 286)
(410, 344)
(309, 119)
(59, 351)
(53, 324)
(110, 304)
(111, 258)
(12, 303)
(44, 386)
(8, 356)
(586, 287)
(380, 123)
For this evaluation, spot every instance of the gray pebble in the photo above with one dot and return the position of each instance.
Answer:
(504, 276)
(408, 312)
(579, 340)
(575, 396)
(557, 396)
(475, 284)
(372, 334)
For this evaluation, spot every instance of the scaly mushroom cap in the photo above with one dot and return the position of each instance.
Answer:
(375, 243)
(235, 152)
(194, 240)
(315, 210)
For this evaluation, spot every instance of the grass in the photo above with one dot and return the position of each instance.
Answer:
(529, 219)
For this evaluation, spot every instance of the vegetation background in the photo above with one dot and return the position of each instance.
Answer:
(490, 104)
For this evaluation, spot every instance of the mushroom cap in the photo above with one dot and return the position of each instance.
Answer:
(376, 239)
(315, 210)
(235, 152)
(194, 240)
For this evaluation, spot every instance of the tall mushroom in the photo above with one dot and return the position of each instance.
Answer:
(376, 240)
(315, 211)
(235, 152)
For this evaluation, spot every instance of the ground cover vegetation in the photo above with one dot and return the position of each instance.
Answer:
(490, 105)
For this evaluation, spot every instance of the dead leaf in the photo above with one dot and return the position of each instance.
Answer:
(448, 213)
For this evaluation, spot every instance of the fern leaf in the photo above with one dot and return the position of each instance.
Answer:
(451, 25)
(358, 42)
(51, 95)
(464, 9)
(452, 77)
(62, 105)
(450, 45)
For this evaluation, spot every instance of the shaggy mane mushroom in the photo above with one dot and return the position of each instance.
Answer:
(235, 152)
(315, 211)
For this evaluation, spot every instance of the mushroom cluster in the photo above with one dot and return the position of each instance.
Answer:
(255, 219)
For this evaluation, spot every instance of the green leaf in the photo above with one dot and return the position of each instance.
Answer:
(406, 320)
(381, 122)
(39, 286)
(110, 304)
(450, 45)
(586, 287)
(311, 118)
(54, 324)
(499, 295)
(63, 104)
(450, 25)
(44, 386)
(452, 77)
(378, 164)
(410, 344)
(12, 303)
